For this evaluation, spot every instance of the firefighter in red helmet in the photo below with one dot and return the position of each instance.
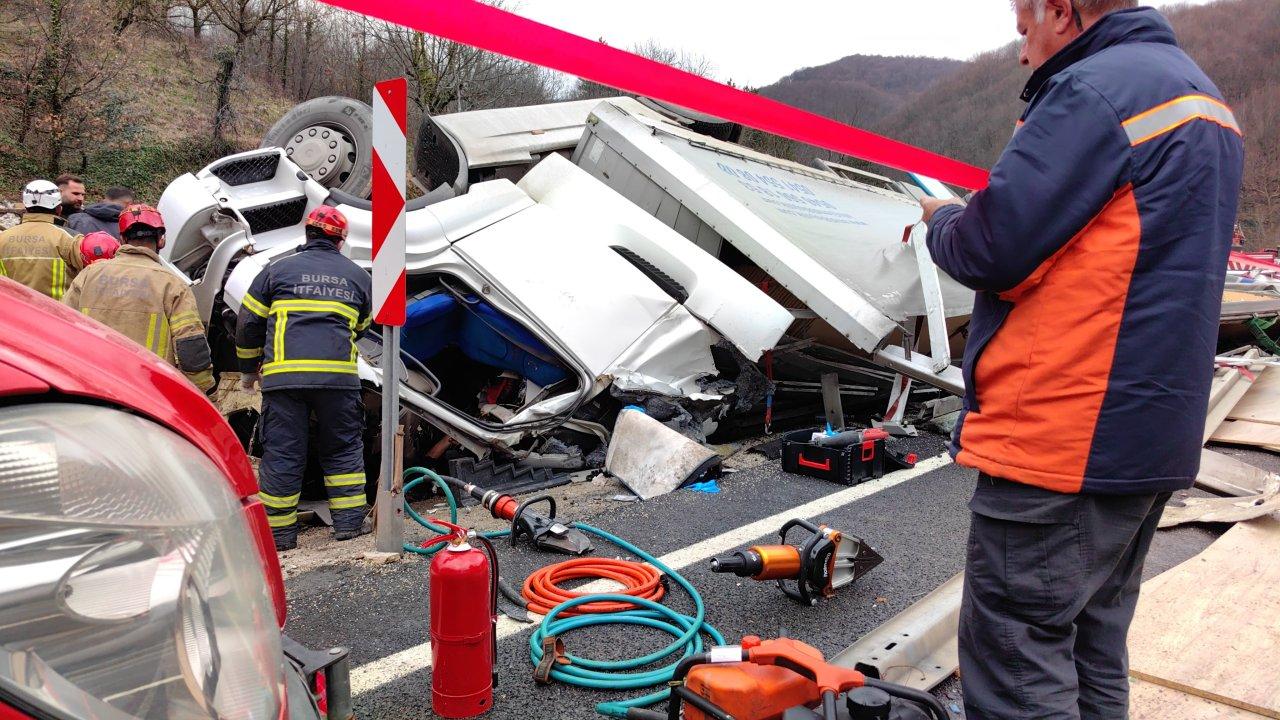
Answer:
(97, 246)
(312, 305)
(136, 295)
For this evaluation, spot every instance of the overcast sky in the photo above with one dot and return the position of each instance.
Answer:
(754, 42)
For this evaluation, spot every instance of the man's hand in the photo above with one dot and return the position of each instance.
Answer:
(931, 206)
(248, 380)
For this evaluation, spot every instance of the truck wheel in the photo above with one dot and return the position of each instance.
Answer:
(330, 139)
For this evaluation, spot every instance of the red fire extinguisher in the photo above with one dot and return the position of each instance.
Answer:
(464, 638)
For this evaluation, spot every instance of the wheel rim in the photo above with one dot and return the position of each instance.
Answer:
(324, 152)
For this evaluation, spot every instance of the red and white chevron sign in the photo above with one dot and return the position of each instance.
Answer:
(389, 150)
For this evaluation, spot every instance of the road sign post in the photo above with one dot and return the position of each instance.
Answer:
(389, 151)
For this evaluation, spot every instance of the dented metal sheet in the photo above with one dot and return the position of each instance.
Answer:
(726, 301)
(837, 245)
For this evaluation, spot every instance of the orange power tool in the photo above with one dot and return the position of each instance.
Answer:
(825, 562)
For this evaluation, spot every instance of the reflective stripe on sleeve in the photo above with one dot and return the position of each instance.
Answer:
(183, 319)
(1174, 114)
(255, 306)
(248, 353)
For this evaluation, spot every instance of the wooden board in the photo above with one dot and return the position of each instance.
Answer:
(1245, 432)
(1228, 388)
(1148, 701)
(1224, 474)
(1262, 402)
(1211, 626)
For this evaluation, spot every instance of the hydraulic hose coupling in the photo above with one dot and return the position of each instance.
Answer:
(824, 562)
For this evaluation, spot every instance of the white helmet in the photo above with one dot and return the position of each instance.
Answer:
(41, 194)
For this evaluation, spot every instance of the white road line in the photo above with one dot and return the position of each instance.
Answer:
(375, 674)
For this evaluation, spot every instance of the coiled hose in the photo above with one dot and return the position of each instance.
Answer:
(414, 477)
(584, 672)
(625, 674)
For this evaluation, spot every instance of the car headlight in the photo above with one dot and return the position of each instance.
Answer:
(129, 582)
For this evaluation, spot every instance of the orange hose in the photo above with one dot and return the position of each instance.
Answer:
(542, 589)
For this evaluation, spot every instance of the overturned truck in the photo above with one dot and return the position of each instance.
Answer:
(570, 259)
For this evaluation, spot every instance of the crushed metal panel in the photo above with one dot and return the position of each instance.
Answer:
(726, 301)
(584, 294)
(506, 136)
(836, 244)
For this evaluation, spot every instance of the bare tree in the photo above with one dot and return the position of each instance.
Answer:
(682, 59)
(242, 19)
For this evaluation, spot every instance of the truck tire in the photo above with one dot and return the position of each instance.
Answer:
(331, 139)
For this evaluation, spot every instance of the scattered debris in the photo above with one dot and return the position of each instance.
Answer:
(651, 459)
(380, 558)
(1226, 475)
(1223, 510)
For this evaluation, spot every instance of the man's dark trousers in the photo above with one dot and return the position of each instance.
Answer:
(1051, 583)
(286, 423)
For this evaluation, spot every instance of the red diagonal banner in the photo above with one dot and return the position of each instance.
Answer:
(489, 28)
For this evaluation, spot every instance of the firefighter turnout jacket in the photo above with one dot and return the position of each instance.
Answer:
(136, 295)
(41, 255)
(299, 320)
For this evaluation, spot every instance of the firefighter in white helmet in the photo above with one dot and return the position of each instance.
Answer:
(36, 252)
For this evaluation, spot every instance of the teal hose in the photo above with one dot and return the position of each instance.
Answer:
(625, 674)
(420, 475)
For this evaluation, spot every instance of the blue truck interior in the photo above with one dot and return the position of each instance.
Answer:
(437, 320)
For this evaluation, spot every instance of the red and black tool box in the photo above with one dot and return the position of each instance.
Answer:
(847, 465)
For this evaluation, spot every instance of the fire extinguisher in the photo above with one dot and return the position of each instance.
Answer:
(464, 638)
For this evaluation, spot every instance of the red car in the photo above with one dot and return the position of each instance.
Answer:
(138, 578)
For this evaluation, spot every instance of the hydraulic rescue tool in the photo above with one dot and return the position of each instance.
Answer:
(464, 636)
(543, 532)
(784, 679)
(822, 564)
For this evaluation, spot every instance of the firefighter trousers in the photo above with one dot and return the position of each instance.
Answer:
(286, 424)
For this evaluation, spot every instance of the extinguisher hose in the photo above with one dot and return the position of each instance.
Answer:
(414, 477)
(688, 631)
(493, 601)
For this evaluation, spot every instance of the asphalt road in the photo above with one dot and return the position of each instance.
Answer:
(919, 526)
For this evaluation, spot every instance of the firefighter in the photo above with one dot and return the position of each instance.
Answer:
(296, 339)
(136, 295)
(36, 252)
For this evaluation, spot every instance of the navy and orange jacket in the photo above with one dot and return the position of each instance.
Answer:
(1099, 253)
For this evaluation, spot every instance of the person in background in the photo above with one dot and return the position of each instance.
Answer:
(36, 252)
(1099, 253)
(72, 189)
(136, 295)
(103, 216)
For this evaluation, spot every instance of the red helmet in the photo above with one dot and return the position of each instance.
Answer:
(142, 222)
(329, 221)
(98, 246)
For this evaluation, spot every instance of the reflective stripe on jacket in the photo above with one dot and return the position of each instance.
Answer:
(41, 255)
(1099, 252)
(300, 318)
(137, 296)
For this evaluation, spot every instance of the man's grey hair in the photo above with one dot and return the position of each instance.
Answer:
(1093, 8)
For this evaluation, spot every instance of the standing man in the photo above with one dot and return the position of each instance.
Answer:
(36, 252)
(72, 190)
(103, 216)
(311, 305)
(1099, 253)
(136, 295)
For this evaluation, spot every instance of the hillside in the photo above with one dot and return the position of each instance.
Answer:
(970, 113)
(146, 122)
(860, 89)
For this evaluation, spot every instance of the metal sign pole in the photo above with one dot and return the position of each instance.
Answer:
(390, 99)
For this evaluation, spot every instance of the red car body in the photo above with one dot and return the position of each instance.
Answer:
(49, 349)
